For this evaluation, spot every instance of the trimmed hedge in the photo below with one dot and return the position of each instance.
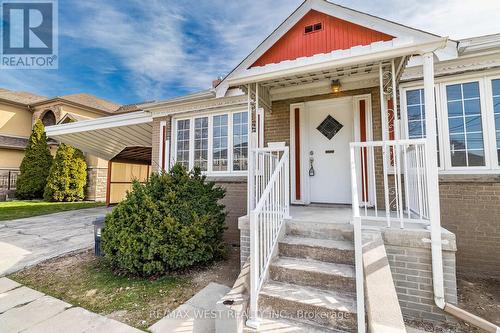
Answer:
(35, 165)
(174, 221)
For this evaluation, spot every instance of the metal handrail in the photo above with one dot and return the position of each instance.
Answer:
(266, 222)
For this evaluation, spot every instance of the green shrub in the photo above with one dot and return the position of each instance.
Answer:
(173, 221)
(35, 165)
(68, 176)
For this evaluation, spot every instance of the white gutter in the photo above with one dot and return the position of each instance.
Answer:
(374, 56)
(127, 119)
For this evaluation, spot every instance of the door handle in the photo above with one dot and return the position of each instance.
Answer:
(311, 161)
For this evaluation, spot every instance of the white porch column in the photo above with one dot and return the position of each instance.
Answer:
(432, 179)
(251, 146)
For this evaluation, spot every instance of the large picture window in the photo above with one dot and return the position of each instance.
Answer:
(465, 125)
(240, 141)
(182, 138)
(201, 143)
(468, 119)
(220, 143)
(216, 143)
(495, 85)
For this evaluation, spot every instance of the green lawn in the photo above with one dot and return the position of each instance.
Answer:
(10, 210)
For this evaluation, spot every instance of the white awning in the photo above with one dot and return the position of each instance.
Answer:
(106, 137)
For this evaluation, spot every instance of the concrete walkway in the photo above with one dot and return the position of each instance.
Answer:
(197, 315)
(29, 241)
(27, 310)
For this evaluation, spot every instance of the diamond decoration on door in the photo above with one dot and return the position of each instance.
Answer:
(329, 127)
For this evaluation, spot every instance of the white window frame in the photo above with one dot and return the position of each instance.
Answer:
(174, 140)
(484, 124)
(491, 119)
(404, 117)
(487, 118)
(210, 115)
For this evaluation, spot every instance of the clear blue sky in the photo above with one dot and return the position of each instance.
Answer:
(133, 50)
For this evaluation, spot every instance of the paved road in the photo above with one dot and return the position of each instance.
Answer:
(27, 310)
(26, 242)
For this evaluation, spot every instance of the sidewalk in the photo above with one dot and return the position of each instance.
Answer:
(30, 311)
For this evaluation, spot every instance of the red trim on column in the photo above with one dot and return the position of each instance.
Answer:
(363, 135)
(163, 139)
(390, 126)
(297, 153)
(108, 184)
(390, 118)
(258, 129)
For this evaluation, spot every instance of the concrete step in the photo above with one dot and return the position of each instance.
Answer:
(335, 251)
(313, 273)
(268, 325)
(323, 230)
(309, 305)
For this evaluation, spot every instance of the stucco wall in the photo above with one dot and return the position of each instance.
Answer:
(10, 159)
(15, 120)
(65, 109)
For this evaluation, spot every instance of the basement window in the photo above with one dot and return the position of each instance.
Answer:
(313, 27)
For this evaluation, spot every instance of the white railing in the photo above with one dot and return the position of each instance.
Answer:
(269, 173)
(389, 181)
(392, 180)
(358, 249)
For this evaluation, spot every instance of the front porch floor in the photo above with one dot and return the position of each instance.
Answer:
(342, 214)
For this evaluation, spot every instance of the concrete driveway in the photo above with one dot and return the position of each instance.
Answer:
(26, 242)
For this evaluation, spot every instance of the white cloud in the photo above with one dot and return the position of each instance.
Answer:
(454, 18)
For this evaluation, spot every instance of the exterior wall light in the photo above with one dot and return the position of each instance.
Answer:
(336, 86)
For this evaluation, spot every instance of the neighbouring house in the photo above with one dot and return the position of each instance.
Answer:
(20, 110)
(342, 133)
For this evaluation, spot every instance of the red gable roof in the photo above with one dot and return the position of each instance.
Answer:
(334, 34)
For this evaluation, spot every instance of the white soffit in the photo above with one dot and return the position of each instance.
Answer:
(106, 137)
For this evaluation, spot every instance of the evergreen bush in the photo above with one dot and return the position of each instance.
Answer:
(173, 221)
(35, 165)
(68, 175)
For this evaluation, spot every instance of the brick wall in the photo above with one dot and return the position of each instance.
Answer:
(96, 184)
(155, 158)
(277, 123)
(470, 208)
(244, 226)
(236, 205)
(411, 266)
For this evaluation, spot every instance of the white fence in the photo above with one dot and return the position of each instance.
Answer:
(269, 175)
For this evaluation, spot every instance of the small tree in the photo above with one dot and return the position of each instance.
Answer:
(68, 176)
(35, 165)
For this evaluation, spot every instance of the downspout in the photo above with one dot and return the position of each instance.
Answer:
(434, 210)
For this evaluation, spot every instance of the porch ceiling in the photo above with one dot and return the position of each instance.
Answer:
(108, 136)
(357, 71)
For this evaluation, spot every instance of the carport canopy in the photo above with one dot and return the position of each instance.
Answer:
(106, 137)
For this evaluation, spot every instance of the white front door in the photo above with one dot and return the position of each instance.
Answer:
(328, 150)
